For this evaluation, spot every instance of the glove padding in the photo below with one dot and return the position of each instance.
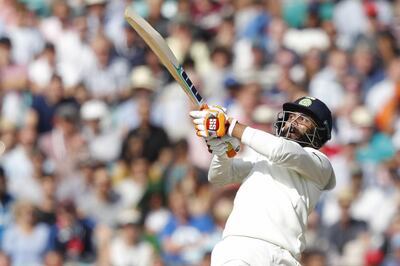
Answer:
(210, 121)
(225, 144)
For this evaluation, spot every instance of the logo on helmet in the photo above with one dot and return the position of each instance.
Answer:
(306, 102)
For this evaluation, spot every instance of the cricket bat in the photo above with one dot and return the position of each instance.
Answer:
(158, 45)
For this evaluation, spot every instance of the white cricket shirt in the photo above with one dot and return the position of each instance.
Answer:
(279, 189)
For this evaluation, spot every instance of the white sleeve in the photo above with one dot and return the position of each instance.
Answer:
(308, 162)
(224, 170)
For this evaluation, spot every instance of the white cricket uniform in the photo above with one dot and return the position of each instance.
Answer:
(279, 190)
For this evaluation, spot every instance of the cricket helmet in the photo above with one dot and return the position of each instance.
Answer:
(317, 111)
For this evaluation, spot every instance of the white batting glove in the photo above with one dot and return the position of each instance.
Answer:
(226, 144)
(210, 121)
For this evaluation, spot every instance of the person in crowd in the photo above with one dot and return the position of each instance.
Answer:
(153, 138)
(14, 79)
(71, 235)
(128, 247)
(133, 187)
(46, 211)
(64, 145)
(24, 180)
(347, 228)
(44, 105)
(104, 142)
(25, 241)
(108, 77)
(6, 203)
(102, 204)
(181, 239)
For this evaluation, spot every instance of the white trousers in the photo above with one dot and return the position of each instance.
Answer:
(246, 251)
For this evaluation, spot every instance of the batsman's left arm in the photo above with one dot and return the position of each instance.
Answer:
(308, 162)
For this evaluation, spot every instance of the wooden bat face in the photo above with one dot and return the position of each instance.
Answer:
(158, 45)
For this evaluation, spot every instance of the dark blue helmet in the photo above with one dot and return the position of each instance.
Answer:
(317, 111)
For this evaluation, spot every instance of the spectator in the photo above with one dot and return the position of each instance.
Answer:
(213, 86)
(132, 187)
(44, 105)
(74, 55)
(128, 247)
(384, 90)
(129, 46)
(316, 239)
(41, 70)
(64, 144)
(78, 185)
(13, 81)
(71, 236)
(107, 77)
(312, 62)
(8, 135)
(156, 217)
(153, 137)
(364, 64)
(247, 99)
(46, 212)
(181, 238)
(25, 241)
(170, 104)
(102, 204)
(23, 181)
(25, 36)
(6, 203)
(96, 14)
(53, 27)
(142, 85)
(181, 168)
(327, 84)
(347, 228)
(104, 144)
(220, 210)
(157, 18)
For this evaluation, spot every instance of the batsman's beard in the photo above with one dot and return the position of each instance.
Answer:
(290, 131)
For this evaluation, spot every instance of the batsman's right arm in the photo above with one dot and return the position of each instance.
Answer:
(224, 170)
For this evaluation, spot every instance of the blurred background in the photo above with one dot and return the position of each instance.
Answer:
(100, 164)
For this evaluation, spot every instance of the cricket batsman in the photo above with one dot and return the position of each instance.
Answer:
(278, 189)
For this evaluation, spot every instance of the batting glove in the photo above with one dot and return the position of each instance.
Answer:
(210, 121)
(226, 144)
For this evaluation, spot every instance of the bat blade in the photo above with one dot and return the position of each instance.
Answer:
(158, 45)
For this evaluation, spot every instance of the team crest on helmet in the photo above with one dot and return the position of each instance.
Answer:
(306, 102)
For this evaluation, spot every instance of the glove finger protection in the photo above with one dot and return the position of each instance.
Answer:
(226, 144)
(210, 122)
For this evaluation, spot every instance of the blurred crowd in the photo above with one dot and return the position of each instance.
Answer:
(100, 165)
